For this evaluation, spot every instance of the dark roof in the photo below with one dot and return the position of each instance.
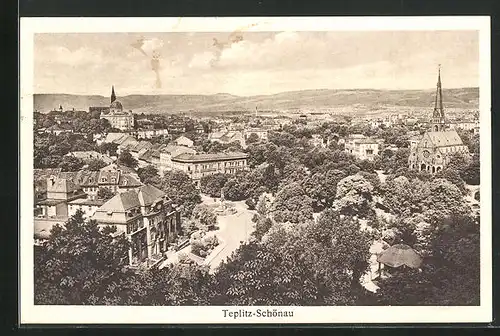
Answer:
(146, 195)
(86, 201)
(50, 202)
(40, 177)
(399, 255)
(209, 157)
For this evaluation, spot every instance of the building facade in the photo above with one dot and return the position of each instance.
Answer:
(148, 219)
(200, 165)
(170, 151)
(117, 117)
(363, 148)
(434, 149)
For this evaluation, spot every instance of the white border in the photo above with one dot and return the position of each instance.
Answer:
(29, 313)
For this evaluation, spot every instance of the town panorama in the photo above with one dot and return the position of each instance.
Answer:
(370, 198)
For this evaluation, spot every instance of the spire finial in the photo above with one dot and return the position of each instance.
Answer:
(113, 95)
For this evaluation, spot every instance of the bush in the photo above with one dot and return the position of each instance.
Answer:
(211, 241)
(203, 253)
(250, 203)
(476, 196)
(196, 247)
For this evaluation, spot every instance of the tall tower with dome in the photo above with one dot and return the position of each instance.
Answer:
(117, 117)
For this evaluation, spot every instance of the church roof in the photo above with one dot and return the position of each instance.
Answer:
(445, 139)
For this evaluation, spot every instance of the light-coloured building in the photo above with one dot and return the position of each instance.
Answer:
(85, 205)
(363, 148)
(200, 165)
(113, 177)
(262, 133)
(148, 219)
(117, 117)
(170, 151)
(90, 155)
(228, 137)
(183, 141)
(434, 149)
(318, 140)
(149, 133)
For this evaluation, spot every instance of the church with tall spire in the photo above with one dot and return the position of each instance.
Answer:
(438, 119)
(117, 117)
(433, 151)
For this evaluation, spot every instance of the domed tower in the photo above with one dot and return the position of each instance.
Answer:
(115, 106)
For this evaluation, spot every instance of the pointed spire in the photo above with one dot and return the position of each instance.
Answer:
(438, 104)
(113, 95)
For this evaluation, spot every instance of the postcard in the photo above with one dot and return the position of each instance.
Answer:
(255, 170)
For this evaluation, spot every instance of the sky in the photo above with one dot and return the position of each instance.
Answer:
(252, 63)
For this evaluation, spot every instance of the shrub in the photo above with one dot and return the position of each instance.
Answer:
(250, 203)
(196, 247)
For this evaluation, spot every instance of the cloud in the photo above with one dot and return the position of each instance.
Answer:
(285, 49)
(61, 55)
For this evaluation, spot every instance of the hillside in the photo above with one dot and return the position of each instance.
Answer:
(466, 98)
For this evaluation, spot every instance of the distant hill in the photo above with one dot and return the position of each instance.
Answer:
(308, 99)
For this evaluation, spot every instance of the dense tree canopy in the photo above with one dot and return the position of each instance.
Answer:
(96, 164)
(354, 196)
(127, 159)
(212, 184)
(149, 175)
(181, 190)
(79, 264)
(292, 205)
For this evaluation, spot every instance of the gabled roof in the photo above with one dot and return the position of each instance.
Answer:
(145, 196)
(112, 137)
(175, 150)
(148, 194)
(445, 139)
(127, 180)
(121, 202)
(183, 138)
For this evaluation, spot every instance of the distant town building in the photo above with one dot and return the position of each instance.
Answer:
(148, 219)
(87, 156)
(170, 151)
(434, 149)
(113, 177)
(149, 133)
(262, 133)
(228, 137)
(200, 165)
(363, 148)
(183, 141)
(318, 140)
(59, 129)
(117, 117)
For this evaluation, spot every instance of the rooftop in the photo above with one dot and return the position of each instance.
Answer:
(445, 139)
(210, 157)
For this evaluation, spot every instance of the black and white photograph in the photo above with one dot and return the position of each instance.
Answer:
(255, 170)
